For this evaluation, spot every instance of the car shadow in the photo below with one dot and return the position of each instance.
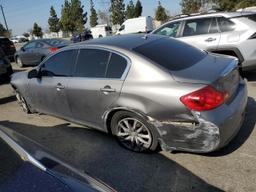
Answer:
(8, 99)
(100, 156)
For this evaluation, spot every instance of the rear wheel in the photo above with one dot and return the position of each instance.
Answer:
(133, 132)
(22, 102)
(19, 62)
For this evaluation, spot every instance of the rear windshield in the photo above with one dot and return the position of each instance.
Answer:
(171, 54)
(57, 42)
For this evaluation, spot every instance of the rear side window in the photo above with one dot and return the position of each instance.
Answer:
(60, 64)
(92, 63)
(225, 24)
(197, 27)
(116, 66)
(171, 54)
(251, 17)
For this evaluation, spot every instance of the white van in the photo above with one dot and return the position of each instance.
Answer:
(102, 30)
(136, 25)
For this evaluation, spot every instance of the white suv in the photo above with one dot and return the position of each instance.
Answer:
(230, 33)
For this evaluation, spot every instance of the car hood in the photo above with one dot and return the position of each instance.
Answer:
(29, 167)
(206, 71)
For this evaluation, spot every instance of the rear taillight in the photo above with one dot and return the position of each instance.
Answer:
(253, 36)
(53, 49)
(204, 99)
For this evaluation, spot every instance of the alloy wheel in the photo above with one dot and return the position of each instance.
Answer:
(134, 135)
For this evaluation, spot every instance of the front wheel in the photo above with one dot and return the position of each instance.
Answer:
(133, 132)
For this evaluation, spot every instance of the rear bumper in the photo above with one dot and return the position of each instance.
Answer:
(211, 130)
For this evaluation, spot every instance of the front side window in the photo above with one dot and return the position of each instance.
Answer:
(170, 29)
(225, 24)
(31, 45)
(92, 63)
(60, 64)
(196, 27)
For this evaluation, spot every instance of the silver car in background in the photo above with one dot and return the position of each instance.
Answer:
(145, 90)
(229, 33)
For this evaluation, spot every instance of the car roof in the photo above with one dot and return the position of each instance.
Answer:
(128, 42)
(214, 14)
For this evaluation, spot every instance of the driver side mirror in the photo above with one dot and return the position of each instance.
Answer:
(22, 49)
(34, 73)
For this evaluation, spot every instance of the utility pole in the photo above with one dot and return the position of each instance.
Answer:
(4, 18)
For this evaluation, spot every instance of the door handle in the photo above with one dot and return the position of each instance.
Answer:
(210, 39)
(59, 86)
(107, 89)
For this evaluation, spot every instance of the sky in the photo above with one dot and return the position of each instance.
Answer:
(21, 14)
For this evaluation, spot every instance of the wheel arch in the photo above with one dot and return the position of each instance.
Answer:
(108, 115)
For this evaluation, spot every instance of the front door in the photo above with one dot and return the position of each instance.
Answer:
(27, 53)
(48, 92)
(96, 85)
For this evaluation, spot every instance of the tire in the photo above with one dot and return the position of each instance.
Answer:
(23, 103)
(133, 132)
(19, 62)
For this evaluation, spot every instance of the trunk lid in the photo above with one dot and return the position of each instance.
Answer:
(216, 70)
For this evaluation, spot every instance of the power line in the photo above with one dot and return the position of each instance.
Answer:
(2, 9)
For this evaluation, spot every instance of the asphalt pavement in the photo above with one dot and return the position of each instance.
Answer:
(231, 169)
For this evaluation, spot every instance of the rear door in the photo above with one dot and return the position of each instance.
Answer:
(96, 84)
(48, 93)
(202, 33)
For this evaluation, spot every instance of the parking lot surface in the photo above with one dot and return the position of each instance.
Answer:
(231, 169)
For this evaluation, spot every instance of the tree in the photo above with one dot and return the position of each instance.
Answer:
(138, 9)
(78, 16)
(117, 9)
(245, 3)
(227, 5)
(161, 14)
(94, 16)
(73, 17)
(37, 30)
(26, 35)
(190, 6)
(53, 21)
(66, 23)
(3, 31)
(104, 17)
(130, 10)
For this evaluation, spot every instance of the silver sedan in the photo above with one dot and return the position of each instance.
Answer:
(145, 90)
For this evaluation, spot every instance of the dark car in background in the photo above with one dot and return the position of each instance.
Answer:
(5, 66)
(33, 52)
(8, 47)
(28, 167)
